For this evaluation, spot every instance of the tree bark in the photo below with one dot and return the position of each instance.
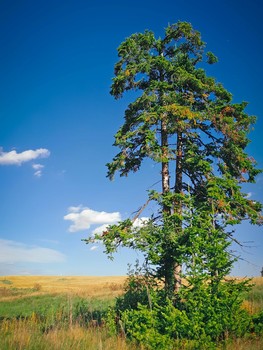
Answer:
(167, 263)
(165, 163)
(178, 205)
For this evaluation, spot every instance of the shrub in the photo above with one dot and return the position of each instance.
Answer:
(199, 318)
(257, 323)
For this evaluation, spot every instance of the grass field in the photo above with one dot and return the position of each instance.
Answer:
(52, 312)
(79, 285)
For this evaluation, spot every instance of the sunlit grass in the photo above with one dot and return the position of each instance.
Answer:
(12, 287)
(26, 334)
(253, 302)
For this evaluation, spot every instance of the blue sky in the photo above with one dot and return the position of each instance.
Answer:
(57, 122)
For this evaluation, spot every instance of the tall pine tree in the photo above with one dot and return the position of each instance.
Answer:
(185, 121)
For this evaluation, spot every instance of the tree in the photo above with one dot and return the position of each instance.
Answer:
(185, 121)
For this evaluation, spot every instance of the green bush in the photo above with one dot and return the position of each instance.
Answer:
(257, 323)
(143, 326)
(202, 316)
(215, 310)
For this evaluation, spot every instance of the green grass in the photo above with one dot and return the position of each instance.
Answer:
(24, 307)
(50, 306)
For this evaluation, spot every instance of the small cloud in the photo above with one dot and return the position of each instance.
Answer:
(12, 252)
(75, 209)
(38, 173)
(82, 218)
(249, 194)
(38, 168)
(94, 247)
(14, 158)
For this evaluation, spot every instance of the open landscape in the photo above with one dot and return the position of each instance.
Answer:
(55, 312)
(168, 96)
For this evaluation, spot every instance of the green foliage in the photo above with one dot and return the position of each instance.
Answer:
(142, 325)
(215, 309)
(204, 314)
(257, 323)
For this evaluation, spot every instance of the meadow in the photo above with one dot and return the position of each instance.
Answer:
(53, 312)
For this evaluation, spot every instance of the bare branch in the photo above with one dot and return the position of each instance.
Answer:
(140, 210)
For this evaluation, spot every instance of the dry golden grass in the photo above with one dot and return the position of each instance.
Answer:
(257, 280)
(79, 338)
(245, 344)
(26, 334)
(85, 286)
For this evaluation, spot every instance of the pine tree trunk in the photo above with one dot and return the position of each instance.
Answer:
(165, 163)
(178, 204)
(167, 263)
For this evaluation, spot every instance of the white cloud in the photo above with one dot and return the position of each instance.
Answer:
(140, 222)
(38, 168)
(14, 158)
(15, 252)
(94, 247)
(83, 218)
(38, 173)
(249, 194)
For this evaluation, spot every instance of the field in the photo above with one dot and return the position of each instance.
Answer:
(53, 312)
(106, 287)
